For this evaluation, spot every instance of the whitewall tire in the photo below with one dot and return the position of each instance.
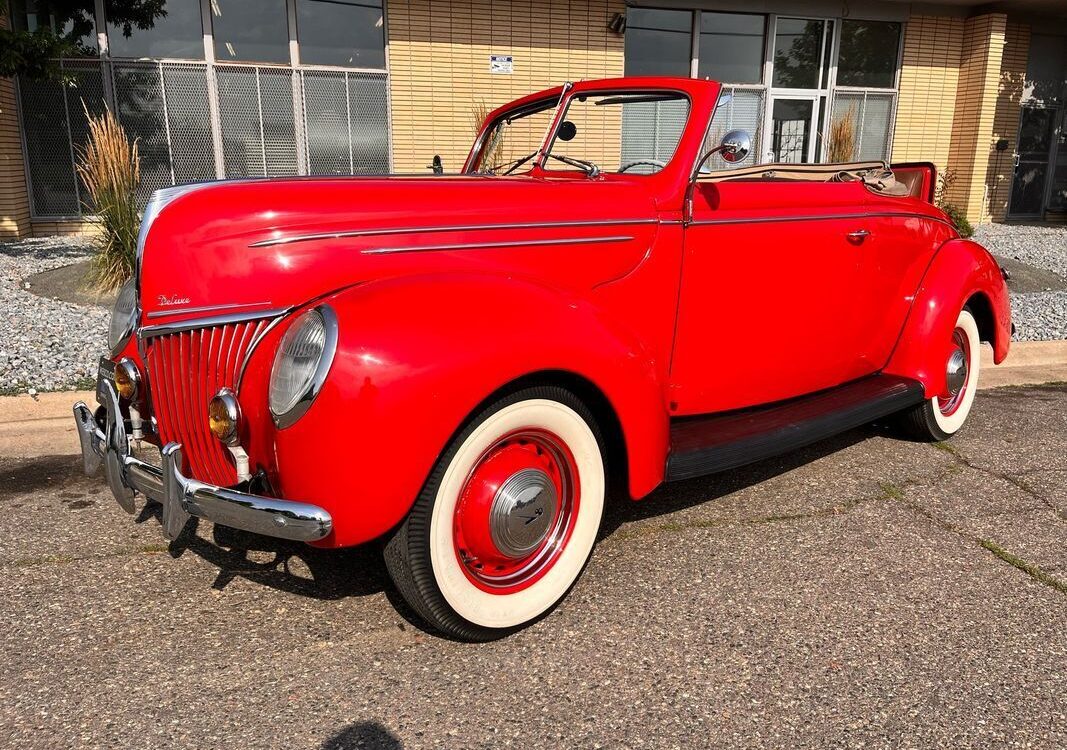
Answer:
(507, 519)
(942, 416)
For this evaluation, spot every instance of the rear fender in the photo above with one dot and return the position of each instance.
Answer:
(959, 270)
(417, 356)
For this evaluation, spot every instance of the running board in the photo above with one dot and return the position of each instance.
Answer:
(716, 442)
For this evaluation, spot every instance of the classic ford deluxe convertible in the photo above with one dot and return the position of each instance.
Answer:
(462, 364)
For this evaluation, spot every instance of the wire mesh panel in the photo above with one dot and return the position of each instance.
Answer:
(279, 131)
(369, 115)
(189, 122)
(256, 114)
(871, 114)
(651, 131)
(55, 128)
(326, 122)
(167, 108)
(240, 116)
(744, 111)
(139, 106)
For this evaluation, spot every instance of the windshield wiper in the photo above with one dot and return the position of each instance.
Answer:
(588, 167)
(513, 164)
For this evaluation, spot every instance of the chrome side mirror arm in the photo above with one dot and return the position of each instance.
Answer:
(735, 146)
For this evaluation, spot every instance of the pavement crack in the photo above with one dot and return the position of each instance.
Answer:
(1029, 568)
(896, 492)
(1015, 479)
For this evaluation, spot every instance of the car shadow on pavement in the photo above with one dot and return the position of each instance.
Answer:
(287, 566)
(675, 496)
(297, 568)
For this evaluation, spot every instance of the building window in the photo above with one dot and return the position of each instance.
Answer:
(798, 53)
(731, 47)
(658, 42)
(74, 20)
(343, 33)
(250, 30)
(868, 54)
(175, 33)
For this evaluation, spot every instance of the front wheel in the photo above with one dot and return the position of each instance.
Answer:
(942, 416)
(507, 519)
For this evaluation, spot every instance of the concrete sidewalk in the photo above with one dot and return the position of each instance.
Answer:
(42, 425)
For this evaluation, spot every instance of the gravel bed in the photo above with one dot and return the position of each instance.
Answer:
(47, 345)
(54, 345)
(1038, 316)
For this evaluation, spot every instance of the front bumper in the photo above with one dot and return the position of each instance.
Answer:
(182, 496)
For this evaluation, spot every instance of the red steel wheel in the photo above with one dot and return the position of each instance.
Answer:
(507, 519)
(516, 511)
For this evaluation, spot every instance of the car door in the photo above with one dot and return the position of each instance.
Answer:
(769, 294)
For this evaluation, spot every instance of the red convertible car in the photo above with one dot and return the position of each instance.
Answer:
(460, 365)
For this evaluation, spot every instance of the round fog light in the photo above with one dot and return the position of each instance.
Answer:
(127, 379)
(223, 413)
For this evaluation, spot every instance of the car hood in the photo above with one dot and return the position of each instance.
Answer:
(273, 244)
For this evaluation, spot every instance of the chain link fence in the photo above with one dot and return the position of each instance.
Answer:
(340, 125)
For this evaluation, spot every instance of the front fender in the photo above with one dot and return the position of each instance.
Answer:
(417, 355)
(960, 270)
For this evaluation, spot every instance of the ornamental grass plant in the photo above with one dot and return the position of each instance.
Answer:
(110, 169)
(843, 138)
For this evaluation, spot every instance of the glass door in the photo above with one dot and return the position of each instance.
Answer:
(792, 130)
(1037, 132)
(801, 72)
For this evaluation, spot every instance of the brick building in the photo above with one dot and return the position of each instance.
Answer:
(234, 88)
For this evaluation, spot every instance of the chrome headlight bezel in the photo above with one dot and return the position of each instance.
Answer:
(122, 322)
(300, 397)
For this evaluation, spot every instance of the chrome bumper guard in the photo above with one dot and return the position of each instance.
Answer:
(181, 496)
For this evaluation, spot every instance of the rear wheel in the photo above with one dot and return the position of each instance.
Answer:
(507, 519)
(942, 416)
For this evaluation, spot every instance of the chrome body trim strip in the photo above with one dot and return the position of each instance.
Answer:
(182, 496)
(163, 329)
(205, 308)
(814, 217)
(458, 228)
(502, 243)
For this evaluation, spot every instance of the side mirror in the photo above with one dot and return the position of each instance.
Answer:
(735, 146)
(436, 166)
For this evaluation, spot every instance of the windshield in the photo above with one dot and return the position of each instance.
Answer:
(633, 132)
(514, 137)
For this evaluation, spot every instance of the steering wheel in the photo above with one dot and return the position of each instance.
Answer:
(639, 162)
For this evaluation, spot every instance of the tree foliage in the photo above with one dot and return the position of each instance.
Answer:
(63, 26)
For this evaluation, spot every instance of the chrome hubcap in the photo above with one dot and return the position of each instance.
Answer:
(522, 512)
(956, 374)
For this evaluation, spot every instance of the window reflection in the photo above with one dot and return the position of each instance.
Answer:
(341, 32)
(797, 51)
(175, 32)
(658, 42)
(253, 30)
(731, 47)
(868, 56)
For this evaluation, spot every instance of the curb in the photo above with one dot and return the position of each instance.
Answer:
(40, 425)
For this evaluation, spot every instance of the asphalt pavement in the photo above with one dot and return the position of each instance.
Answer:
(865, 592)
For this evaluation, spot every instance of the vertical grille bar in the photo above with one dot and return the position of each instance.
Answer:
(187, 369)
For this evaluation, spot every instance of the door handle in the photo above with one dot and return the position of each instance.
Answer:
(858, 236)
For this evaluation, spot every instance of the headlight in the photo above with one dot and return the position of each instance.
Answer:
(301, 364)
(123, 317)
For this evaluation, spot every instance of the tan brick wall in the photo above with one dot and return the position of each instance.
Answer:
(930, 71)
(69, 227)
(439, 65)
(14, 199)
(976, 102)
(1006, 117)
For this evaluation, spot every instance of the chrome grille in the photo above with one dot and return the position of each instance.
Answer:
(185, 370)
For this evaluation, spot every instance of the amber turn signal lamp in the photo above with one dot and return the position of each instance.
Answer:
(223, 413)
(127, 379)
